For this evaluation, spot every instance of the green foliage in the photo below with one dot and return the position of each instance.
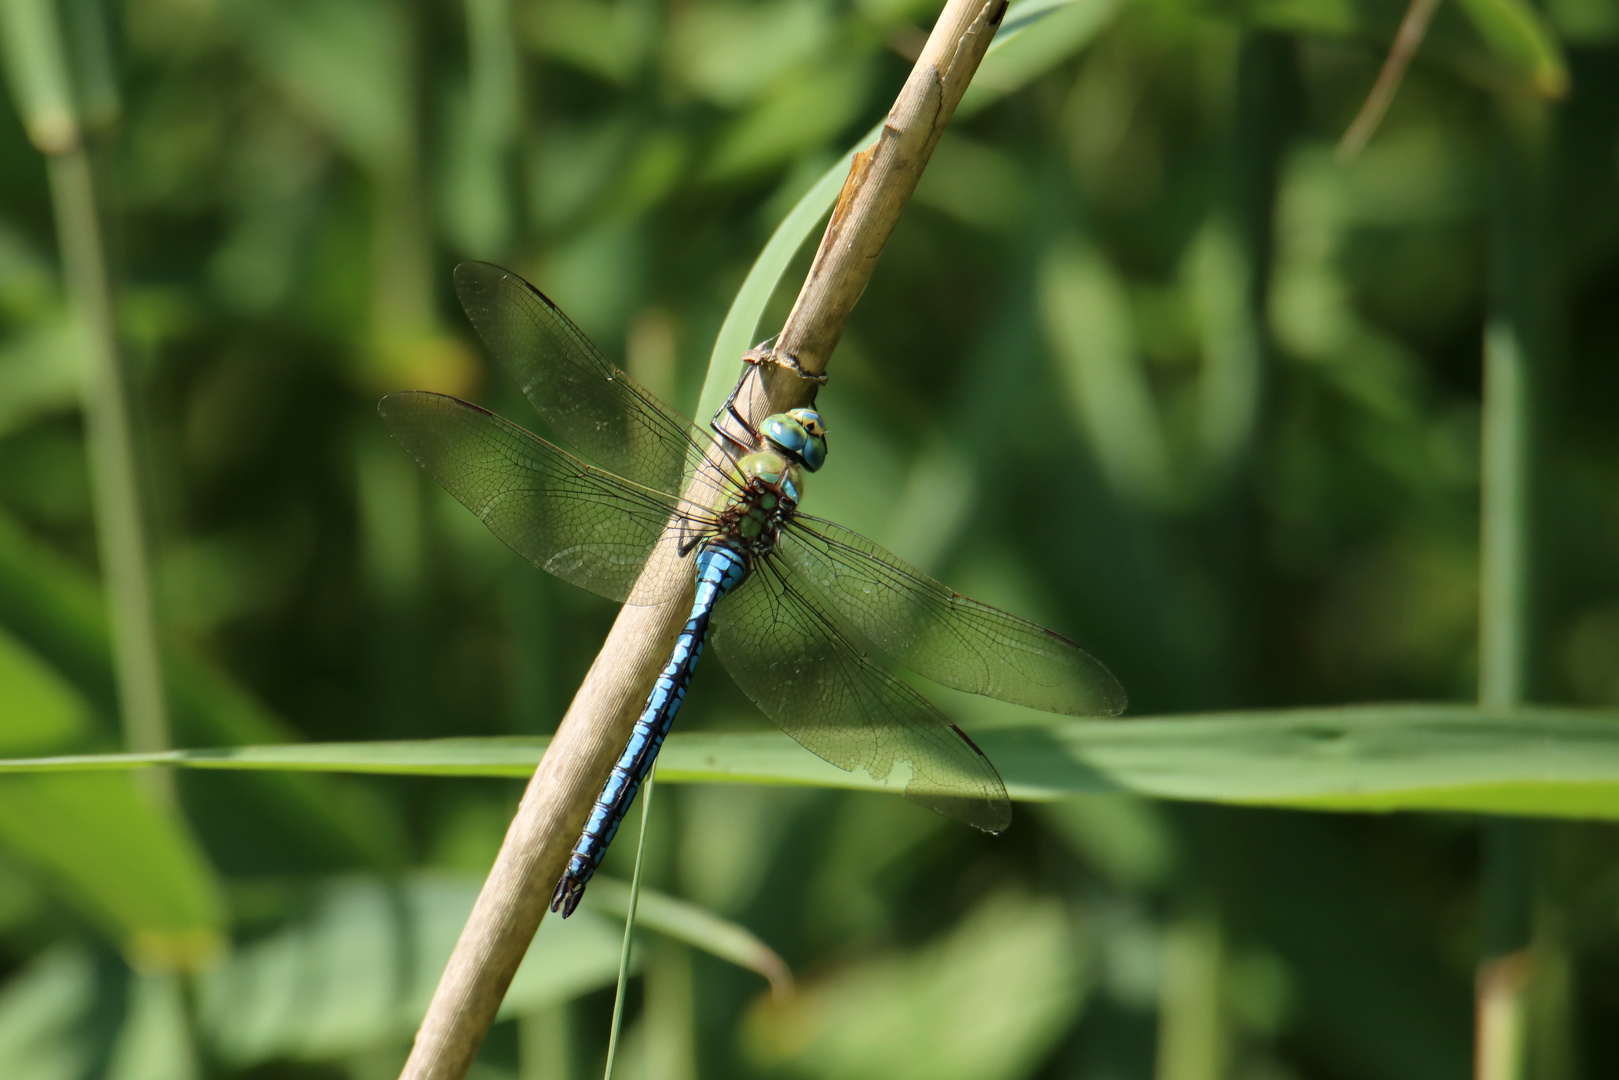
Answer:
(126, 864)
(1142, 361)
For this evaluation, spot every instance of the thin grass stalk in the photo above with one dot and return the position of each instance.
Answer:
(629, 931)
(553, 809)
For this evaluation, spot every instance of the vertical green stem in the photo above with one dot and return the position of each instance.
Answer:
(1191, 1029)
(37, 65)
(1264, 120)
(1515, 341)
(1503, 661)
(120, 525)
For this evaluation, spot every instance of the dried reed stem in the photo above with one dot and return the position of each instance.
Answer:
(554, 807)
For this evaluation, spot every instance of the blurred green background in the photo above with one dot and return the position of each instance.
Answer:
(1143, 360)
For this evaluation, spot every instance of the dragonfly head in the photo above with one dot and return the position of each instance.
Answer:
(800, 434)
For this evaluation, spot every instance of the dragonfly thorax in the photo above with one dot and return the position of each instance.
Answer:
(772, 486)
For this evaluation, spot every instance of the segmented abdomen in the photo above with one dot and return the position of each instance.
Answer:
(719, 570)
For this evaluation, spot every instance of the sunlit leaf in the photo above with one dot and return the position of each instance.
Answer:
(123, 860)
(39, 372)
(71, 1014)
(696, 926)
(357, 969)
(715, 46)
(55, 609)
(44, 1013)
(1231, 382)
(37, 709)
(475, 187)
(126, 865)
(344, 64)
(1088, 319)
(798, 114)
(986, 1002)
(1520, 37)
(610, 40)
(1531, 760)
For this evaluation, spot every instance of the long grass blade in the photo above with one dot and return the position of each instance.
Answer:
(1531, 759)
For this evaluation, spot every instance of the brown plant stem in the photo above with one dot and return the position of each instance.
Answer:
(558, 798)
(1413, 28)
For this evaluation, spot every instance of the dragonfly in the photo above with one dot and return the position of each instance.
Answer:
(647, 502)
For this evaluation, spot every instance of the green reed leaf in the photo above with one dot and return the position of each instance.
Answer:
(1530, 760)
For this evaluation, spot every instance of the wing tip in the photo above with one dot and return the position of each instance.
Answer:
(990, 811)
(998, 818)
(389, 406)
(476, 275)
(473, 269)
(987, 813)
(400, 397)
(468, 277)
(1098, 691)
(1116, 699)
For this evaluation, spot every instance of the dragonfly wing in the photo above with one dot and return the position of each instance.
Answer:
(588, 403)
(787, 654)
(585, 525)
(952, 639)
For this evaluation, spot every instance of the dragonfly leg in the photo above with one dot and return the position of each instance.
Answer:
(752, 358)
(765, 352)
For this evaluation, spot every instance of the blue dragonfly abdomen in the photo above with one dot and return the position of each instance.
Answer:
(719, 570)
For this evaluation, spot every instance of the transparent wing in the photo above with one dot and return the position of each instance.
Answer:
(588, 403)
(937, 632)
(787, 654)
(586, 526)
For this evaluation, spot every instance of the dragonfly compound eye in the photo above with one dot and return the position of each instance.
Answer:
(810, 419)
(799, 434)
